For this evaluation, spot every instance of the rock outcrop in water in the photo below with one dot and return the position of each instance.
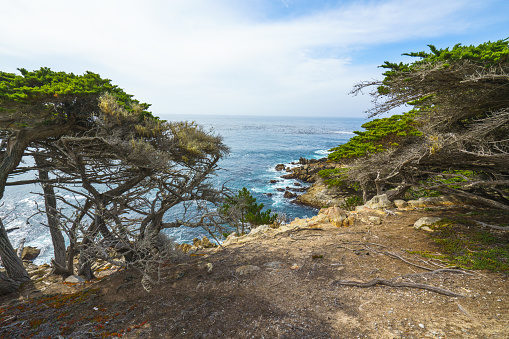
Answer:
(319, 194)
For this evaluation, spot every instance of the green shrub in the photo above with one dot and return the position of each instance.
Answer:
(244, 209)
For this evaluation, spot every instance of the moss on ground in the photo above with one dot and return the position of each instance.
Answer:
(466, 244)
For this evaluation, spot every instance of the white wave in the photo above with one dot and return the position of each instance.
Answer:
(322, 152)
(342, 132)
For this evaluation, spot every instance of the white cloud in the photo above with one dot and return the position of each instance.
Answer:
(199, 56)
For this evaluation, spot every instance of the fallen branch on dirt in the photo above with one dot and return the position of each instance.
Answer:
(394, 255)
(390, 254)
(449, 270)
(390, 283)
(501, 228)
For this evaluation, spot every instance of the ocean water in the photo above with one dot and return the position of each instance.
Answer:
(257, 145)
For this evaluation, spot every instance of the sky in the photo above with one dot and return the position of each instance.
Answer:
(239, 57)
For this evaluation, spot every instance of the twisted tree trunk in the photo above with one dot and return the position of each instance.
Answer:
(50, 202)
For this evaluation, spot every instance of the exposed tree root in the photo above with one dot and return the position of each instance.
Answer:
(390, 283)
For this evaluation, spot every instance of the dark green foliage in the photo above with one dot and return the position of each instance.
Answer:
(49, 98)
(245, 207)
(351, 202)
(333, 176)
(380, 134)
(486, 53)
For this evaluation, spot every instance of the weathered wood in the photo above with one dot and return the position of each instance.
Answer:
(390, 283)
(7, 285)
(50, 203)
(12, 263)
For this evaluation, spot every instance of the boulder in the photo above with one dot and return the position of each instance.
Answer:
(74, 279)
(260, 229)
(289, 195)
(320, 218)
(380, 202)
(273, 181)
(300, 189)
(300, 223)
(183, 247)
(231, 239)
(319, 195)
(423, 223)
(442, 201)
(336, 216)
(205, 243)
(30, 253)
(401, 204)
(280, 167)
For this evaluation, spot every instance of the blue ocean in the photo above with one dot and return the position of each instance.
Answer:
(257, 144)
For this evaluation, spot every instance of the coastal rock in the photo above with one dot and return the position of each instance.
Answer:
(183, 247)
(30, 253)
(333, 212)
(319, 195)
(379, 202)
(441, 201)
(401, 204)
(321, 218)
(289, 195)
(258, 230)
(231, 239)
(205, 243)
(336, 216)
(423, 223)
(299, 223)
(300, 189)
(280, 167)
(273, 181)
(74, 279)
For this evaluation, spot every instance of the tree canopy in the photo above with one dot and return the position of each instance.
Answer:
(459, 122)
(122, 168)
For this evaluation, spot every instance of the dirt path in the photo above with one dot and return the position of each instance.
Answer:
(281, 285)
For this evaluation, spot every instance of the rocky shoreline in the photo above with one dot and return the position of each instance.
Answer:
(317, 195)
